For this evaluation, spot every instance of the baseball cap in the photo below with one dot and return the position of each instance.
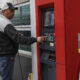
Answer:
(8, 6)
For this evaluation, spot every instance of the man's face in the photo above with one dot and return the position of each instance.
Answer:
(9, 13)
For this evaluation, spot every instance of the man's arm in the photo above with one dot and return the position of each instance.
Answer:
(13, 34)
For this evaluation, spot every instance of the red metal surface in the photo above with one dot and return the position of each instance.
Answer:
(67, 27)
(72, 25)
(60, 40)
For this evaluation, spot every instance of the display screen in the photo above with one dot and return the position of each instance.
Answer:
(48, 18)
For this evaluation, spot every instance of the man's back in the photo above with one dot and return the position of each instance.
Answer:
(7, 46)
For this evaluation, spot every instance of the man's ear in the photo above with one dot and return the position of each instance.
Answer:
(3, 11)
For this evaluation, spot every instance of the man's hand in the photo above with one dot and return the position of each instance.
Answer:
(41, 39)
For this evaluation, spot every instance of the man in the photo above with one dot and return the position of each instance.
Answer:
(9, 41)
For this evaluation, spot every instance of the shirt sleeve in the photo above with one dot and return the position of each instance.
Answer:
(13, 34)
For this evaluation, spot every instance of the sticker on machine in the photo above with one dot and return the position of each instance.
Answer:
(79, 43)
(79, 75)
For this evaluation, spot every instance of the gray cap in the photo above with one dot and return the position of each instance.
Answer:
(8, 6)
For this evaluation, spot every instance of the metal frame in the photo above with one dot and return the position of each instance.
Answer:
(34, 46)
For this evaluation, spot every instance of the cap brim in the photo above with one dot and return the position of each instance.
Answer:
(14, 8)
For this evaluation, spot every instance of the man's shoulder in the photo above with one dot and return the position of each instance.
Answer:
(3, 22)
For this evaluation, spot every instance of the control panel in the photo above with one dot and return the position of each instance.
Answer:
(47, 48)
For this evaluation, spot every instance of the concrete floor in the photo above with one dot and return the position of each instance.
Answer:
(79, 77)
(0, 78)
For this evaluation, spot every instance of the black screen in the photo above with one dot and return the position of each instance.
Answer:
(48, 17)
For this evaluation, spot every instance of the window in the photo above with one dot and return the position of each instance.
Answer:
(0, 12)
(25, 47)
(22, 15)
(22, 20)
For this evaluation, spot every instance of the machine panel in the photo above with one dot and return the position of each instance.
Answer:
(47, 48)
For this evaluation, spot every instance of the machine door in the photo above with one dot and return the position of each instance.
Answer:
(47, 48)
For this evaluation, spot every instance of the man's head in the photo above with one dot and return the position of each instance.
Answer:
(8, 10)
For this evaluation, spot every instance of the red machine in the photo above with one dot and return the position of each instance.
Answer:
(59, 54)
